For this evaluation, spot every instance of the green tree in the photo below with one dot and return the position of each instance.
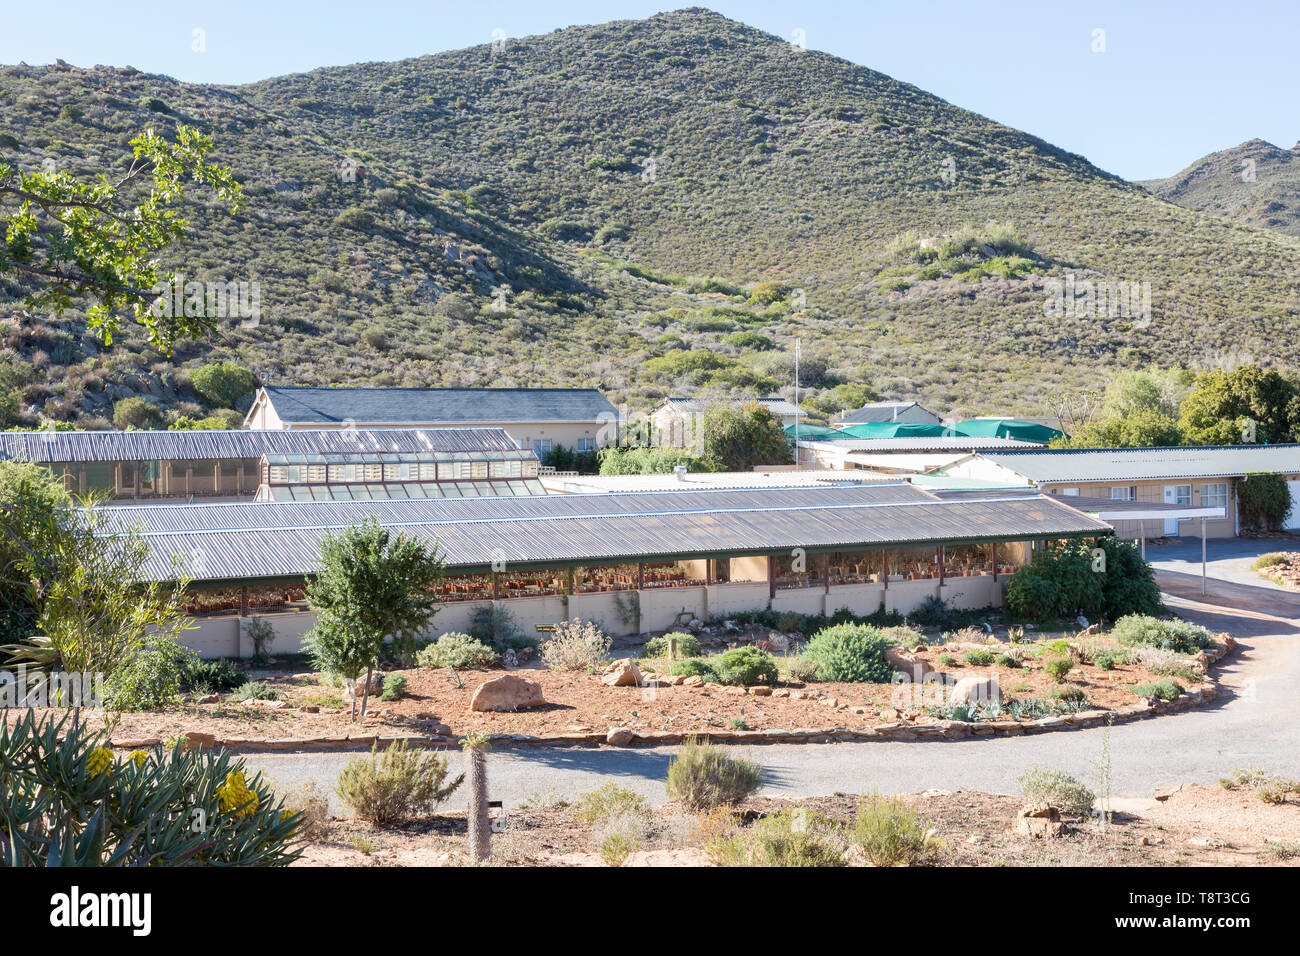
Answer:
(737, 439)
(1264, 499)
(101, 240)
(1248, 404)
(1142, 428)
(136, 412)
(371, 586)
(223, 384)
(31, 500)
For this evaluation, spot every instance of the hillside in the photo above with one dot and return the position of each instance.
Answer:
(1256, 183)
(599, 205)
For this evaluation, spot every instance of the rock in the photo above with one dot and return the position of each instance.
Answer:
(1207, 843)
(781, 692)
(310, 709)
(695, 680)
(779, 641)
(355, 690)
(906, 662)
(829, 702)
(977, 690)
(209, 698)
(621, 673)
(1164, 793)
(619, 736)
(197, 740)
(761, 691)
(507, 692)
(888, 714)
(1040, 820)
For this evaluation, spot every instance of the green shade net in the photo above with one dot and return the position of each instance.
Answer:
(813, 432)
(1004, 428)
(891, 430)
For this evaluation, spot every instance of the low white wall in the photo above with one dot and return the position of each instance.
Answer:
(660, 606)
(800, 600)
(905, 596)
(975, 591)
(598, 606)
(734, 598)
(862, 599)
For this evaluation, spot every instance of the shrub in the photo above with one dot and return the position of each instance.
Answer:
(223, 384)
(209, 677)
(695, 667)
(1067, 692)
(1159, 660)
(494, 625)
(888, 833)
(135, 412)
(934, 612)
(1108, 660)
(393, 688)
(702, 777)
(979, 658)
(1264, 501)
(802, 669)
(1040, 785)
(687, 645)
(1006, 660)
(615, 848)
(389, 787)
(851, 653)
(255, 690)
(1058, 668)
(746, 666)
(1140, 630)
(575, 646)
(1167, 689)
(945, 660)
(793, 837)
(66, 801)
(455, 649)
(609, 801)
(1272, 559)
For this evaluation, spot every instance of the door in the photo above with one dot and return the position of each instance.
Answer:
(1176, 495)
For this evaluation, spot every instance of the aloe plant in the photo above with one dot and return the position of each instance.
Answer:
(476, 747)
(67, 800)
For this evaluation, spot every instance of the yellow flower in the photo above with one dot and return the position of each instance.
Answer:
(99, 760)
(235, 797)
(138, 757)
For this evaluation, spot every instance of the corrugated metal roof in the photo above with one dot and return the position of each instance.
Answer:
(696, 480)
(438, 406)
(86, 446)
(249, 541)
(881, 412)
(1137, 464)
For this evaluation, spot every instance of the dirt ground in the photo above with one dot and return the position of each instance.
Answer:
(580, 703)
(1195, 826)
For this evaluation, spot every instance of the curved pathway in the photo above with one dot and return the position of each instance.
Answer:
(1255, 721)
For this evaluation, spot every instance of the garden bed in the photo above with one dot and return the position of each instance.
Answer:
(580, 708)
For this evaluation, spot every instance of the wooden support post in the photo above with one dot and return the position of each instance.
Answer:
(640, 577)
(771, 577)
(943, 561)
(995, 562)
(243, 602)
(884, 567)
(708, 572)
(496, 586)
(826, 574)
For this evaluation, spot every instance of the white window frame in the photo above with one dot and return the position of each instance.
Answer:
(1220, 495)
(1128, 493)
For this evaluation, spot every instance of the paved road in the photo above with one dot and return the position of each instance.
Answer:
(1254, 722)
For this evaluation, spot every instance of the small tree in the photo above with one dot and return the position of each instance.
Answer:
(223, 384)
(476, 747)
(371, 586)
(1265, 501)
(737, 439)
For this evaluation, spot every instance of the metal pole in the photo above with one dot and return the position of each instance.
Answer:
(797, 346)
(1202, 555)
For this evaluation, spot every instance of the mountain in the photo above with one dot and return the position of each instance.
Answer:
(1256, 183)
(649, 207)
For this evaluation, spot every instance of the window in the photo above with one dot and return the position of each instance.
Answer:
(1123, 493)
(542, 446)
(586, 444)
(1214, 495)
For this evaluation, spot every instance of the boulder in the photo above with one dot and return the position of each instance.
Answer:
(619, 736)
(695, 680)
(1040, 820)
(355, 690)
(622, 673)
(975, 690)
(507, 692)
(906, 662)
(197, 740)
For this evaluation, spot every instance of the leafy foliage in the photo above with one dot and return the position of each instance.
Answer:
(850, 652)
(703, 777)
(1264, 501)
(1140, 630)
(454, 649)
(389, 787)
(737, 439)
(1041, 785)
(745, 666)
(1064, 579)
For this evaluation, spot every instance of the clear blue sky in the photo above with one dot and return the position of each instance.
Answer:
(1176, 80)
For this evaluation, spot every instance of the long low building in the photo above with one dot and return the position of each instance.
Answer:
(1195, 477)
(633, 562)
(236, 464)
